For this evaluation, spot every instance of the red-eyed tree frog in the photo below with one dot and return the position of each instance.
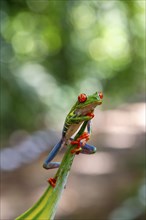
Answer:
(81, 111)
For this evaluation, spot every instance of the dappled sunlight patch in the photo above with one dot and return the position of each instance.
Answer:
(22, 42)
(85, 84)
(37, 6)
(83, 16)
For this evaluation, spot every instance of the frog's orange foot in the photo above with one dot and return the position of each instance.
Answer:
(80, 142)
(76, 150)
(52, 182)
(90, 115)
(84, 136)
(74, 142)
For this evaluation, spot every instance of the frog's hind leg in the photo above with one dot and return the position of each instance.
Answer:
(51, 165)
(88, 149)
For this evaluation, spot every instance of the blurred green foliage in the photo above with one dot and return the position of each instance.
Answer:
(51, 50)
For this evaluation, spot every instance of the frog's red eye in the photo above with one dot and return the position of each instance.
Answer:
(82, 97)
(100, 95)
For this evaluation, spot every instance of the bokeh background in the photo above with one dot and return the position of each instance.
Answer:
(51, 50)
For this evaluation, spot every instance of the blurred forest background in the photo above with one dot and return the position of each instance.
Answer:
(51, 50)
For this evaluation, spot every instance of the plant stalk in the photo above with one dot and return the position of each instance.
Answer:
(46, 207)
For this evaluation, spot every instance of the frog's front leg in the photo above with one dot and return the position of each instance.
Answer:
(77, 119)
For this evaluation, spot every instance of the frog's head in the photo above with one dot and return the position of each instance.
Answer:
(87, 104)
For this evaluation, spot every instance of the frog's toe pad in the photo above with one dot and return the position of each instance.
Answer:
(52, 182)
(76, 150)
